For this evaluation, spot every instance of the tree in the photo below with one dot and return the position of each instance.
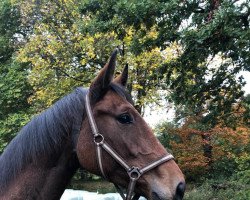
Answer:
(50, 53)
(60, 57)
(246, 107)
(204, 31)
(14, 87)
(64, 55)
(229, 149)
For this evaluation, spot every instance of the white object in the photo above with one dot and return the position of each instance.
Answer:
(70, 194)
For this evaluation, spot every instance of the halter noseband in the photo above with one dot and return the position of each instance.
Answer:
(133, 172)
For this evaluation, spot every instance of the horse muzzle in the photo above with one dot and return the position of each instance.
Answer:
(179, 193)
(180, 190)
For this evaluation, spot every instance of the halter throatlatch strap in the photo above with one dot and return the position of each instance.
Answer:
(134, 173)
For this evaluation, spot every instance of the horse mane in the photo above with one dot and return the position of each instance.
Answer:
(43, 135)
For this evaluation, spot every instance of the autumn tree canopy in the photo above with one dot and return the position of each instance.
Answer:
(190, 51)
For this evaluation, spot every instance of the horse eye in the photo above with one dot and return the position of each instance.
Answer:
(125, 119)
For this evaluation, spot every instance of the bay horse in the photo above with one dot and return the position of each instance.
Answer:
(99, 130)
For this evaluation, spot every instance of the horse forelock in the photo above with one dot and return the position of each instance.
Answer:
(42, 136)
(121, 91)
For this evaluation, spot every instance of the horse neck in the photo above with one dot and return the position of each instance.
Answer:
(58, 179)
(40, 161)
(44, 181)
(59, 176)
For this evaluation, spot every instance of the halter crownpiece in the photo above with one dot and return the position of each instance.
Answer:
(133, 172)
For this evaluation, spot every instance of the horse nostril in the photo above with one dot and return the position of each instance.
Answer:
(180, 191)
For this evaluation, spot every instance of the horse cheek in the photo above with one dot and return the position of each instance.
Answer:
(86, 154)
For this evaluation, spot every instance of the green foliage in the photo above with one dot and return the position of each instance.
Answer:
(141, 15)
(165, 133)
(14, 88)
(224, 189)
(214, 46)
(243, 163)
(243, 171)
(9, 25)
(246, 106)
(70, 39)
(63, 55)
(10, 125)
(211, 87)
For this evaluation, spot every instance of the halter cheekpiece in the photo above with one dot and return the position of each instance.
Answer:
(133, 172)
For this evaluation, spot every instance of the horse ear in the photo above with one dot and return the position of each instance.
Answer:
(123, 77)
(101, 83)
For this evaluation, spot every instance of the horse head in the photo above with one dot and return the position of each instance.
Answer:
(116, 142)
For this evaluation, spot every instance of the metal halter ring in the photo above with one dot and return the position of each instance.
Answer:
(134, 173)
(98, 139)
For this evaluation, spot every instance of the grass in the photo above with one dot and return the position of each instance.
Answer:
(100, 186)
(218, 190)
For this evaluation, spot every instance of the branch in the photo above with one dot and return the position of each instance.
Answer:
(214, 6)
(74, 78)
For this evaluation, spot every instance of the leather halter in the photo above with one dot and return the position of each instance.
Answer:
(133, 172)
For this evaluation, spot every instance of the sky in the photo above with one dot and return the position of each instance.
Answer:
(154, 116)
